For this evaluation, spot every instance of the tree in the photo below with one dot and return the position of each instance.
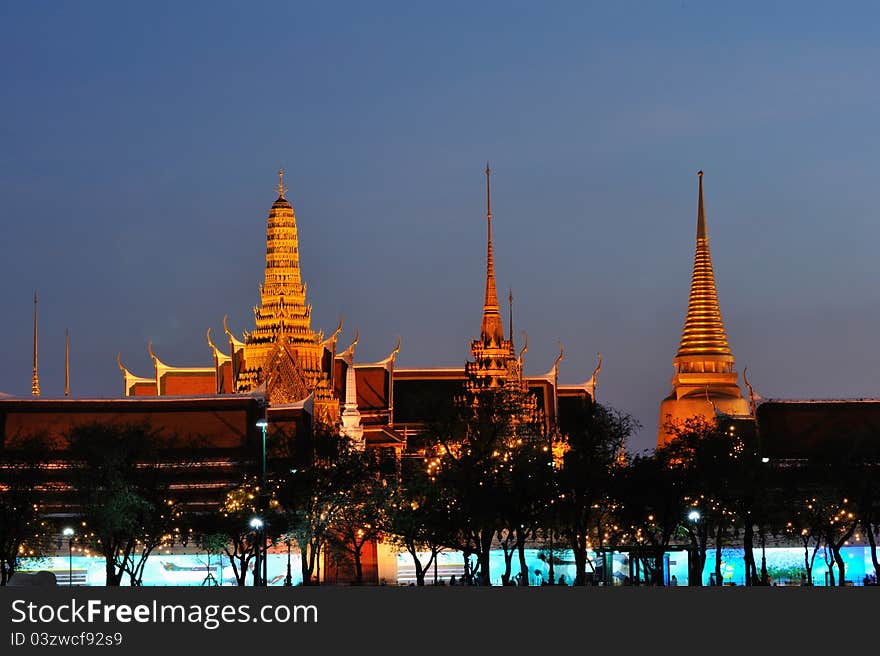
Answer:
(596, 438)
(23, 530)
(419, 517)
(230, 528)
(123, 488)
(311, 492)
(653, 501)
(475, 449)
(362, 515)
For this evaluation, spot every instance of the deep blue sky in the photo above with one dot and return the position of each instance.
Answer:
(140, 145)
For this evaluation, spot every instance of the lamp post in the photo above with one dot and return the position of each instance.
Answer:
(263, 425)
(257, 525)
(68, 533)
(694, 516)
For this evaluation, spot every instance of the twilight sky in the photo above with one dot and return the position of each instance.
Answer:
(140, 146)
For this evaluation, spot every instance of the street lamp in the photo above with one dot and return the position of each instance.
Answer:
(257, 525)
(263, 425)
(694, 516)
(68, 533)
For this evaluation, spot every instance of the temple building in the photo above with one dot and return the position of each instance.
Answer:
(705, 383)
(296, 373)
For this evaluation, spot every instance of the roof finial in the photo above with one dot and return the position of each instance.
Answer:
(67, 362)
(35, 379)
(510, 306)
(702, 233)
(488, 193)
(281, 188)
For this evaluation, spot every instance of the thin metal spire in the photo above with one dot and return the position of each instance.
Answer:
(281, 188)
(67, 362)
(510, 327)
(35, 380)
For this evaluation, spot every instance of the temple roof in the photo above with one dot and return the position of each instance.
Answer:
(704, 332)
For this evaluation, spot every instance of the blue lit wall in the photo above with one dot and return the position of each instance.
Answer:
(784, 565)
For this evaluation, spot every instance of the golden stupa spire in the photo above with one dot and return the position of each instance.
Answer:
(35, 380)
(491, 331)
(703, 332)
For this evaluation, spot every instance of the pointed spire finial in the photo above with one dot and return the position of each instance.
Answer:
(67, 362)
(281, 188)
(35, 379)
(488, 192)
(702, 233)
(491, 330)
(510, 327)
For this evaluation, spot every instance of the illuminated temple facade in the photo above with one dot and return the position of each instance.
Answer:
(705, 383)
(299, 372)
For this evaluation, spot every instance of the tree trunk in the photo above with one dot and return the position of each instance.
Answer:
(579, 547)
(521, 549)
(719, 531)
(466, 556)
(841, 566)
(304, 566)
(873, 542)
(508, 550)
(113, 579)
(485, 552)
(808, 565)
(658, 569)
(358, 567)
(764, 578)
(420, 571)
(748, 553)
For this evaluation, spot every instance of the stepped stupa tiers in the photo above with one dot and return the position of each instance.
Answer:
(704, 383)
(283, 353)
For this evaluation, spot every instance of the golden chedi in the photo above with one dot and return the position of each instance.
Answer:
(705, 383)
(283, 352)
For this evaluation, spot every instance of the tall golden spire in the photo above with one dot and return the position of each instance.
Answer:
(67, 362)
(703, 332)
(704, 383)
(491, 332)
(35, 380)
(491, 353)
